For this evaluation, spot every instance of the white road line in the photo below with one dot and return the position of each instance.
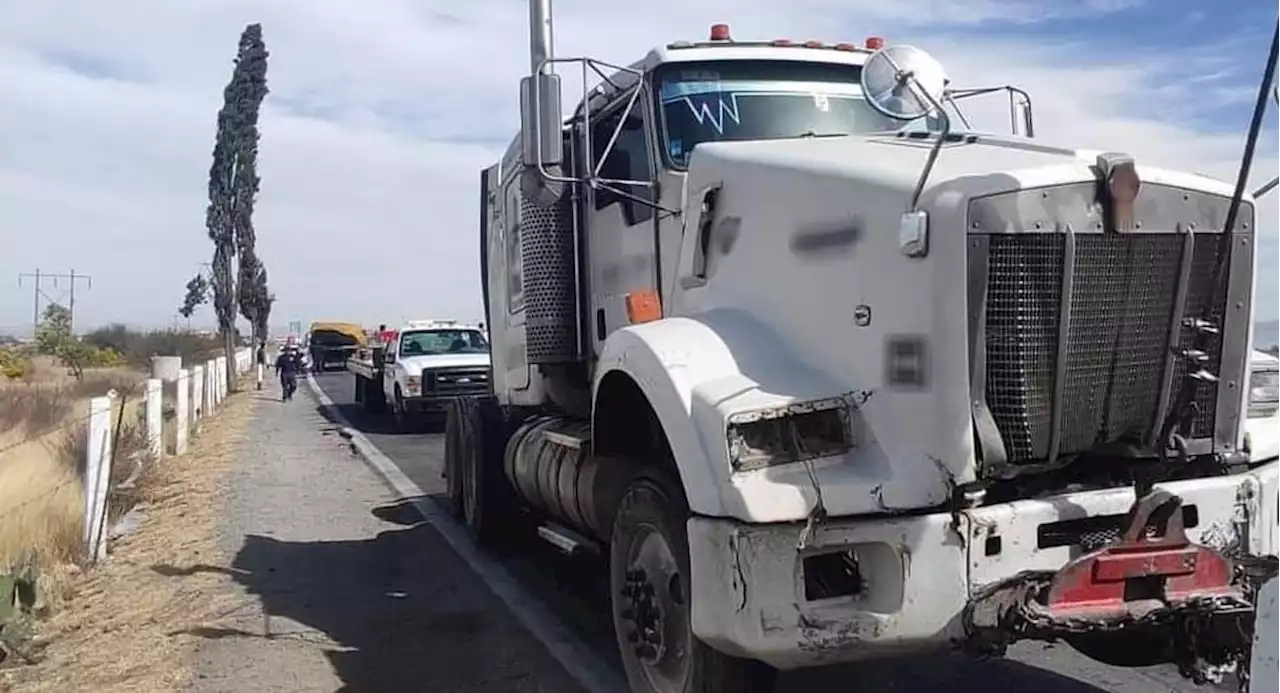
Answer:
(577, 659)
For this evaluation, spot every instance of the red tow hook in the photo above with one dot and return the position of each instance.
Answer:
(1152, 565)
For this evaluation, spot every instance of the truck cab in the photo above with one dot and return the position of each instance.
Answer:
(829, 376)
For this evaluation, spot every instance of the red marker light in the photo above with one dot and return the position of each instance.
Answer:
(845, 47)
(813, 44)
(875, 43)
(782, 42)
(720, 32)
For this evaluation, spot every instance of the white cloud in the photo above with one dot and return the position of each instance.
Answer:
(380, 119)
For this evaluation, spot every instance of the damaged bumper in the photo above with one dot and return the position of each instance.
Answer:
(863, 589)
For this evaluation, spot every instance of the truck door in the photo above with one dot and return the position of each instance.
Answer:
(621, 231)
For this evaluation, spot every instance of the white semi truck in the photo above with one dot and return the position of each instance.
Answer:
(828, 377)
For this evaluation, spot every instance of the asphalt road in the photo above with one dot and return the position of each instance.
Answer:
(573, 589)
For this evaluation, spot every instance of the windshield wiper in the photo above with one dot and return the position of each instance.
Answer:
(811, 133)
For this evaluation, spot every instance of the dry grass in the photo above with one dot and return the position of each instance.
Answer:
(43, 434)
(45, 398)
(125, 628)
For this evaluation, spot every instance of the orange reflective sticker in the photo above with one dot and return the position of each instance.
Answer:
(643, 306)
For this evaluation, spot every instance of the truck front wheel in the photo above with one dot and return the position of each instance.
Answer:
(649, 591)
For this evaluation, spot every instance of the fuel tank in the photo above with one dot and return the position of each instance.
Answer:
(549, 464)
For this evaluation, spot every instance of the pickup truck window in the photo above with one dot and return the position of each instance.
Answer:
(430, 342)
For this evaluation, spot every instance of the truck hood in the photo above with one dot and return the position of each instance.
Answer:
(977, 163)
(416, 364)
(844, 302)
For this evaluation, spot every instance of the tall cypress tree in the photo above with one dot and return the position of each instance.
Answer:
(233, 182)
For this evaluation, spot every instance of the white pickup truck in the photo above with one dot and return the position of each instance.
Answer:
(420, 367)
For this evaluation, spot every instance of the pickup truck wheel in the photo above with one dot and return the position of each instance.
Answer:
(649, 591)
(453, 471)
(398, 410)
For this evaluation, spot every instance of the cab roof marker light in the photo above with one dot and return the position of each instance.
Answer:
(874, 43)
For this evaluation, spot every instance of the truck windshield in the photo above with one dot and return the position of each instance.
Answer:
(760, 100)
(428, 342)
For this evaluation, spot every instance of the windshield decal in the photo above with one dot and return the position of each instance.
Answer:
(702, 110)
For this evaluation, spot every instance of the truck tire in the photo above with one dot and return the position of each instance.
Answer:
(648, 565)
(375, 401)
(487, 499)
(452, 456)
(404, 423)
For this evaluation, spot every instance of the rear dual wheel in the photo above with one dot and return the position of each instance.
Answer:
(479, 494)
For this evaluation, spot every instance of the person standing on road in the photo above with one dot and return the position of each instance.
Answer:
(287, 366)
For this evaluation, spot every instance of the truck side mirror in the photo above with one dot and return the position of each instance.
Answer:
(540, 120)
(1022, 119)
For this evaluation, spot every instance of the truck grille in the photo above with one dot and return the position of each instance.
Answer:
(460, 381)
(1123, 293)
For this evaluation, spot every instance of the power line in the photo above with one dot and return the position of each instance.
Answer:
(38, 292)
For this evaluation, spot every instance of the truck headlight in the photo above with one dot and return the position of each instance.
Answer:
(791, 433)
(1264, 393)
(413, 385)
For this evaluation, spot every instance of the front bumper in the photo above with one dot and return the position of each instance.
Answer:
(918, 573)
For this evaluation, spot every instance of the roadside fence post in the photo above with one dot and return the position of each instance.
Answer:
(182, 421)
(97, 474)
(154, 408)
(198, 410)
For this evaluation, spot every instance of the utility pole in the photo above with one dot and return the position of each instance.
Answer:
(38, 292)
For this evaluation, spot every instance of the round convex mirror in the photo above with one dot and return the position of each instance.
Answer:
(887, 77)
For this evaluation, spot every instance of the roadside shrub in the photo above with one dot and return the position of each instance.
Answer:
(135, 348)
(15, 362)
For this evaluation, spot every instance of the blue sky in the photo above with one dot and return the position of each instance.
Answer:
(379, 121)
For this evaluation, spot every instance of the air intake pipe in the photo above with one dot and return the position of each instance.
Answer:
(540, 113)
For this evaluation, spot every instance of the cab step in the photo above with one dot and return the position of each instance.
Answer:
(567, 541)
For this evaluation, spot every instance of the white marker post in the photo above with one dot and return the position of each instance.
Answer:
(97, 475)
(182, 420)
(198, 410)
(155, 418)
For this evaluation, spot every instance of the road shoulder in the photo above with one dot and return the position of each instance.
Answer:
(340, 585)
